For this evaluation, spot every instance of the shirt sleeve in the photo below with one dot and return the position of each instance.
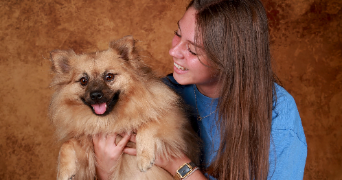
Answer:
(288, 148)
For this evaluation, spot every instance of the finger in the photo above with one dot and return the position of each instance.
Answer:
(100, 138)
(98, 144)
(124, 141)
(133, 138)
(110, 138)
(95, 138)
(122, 134)
(130, 151)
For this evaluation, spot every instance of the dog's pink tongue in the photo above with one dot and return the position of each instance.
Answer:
(99, 108)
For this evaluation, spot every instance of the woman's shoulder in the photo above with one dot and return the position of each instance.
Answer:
(283, 103)
(285, 115)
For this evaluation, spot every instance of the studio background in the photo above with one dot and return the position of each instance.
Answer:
(306, 43)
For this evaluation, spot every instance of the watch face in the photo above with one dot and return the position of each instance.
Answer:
(184, 170)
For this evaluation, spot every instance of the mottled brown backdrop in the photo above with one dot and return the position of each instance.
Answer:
(306, 41)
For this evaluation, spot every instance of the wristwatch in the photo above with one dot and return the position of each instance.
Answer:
(185, 170)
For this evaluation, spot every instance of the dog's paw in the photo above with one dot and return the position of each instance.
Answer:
(145, 161)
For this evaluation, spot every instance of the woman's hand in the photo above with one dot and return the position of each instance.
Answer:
(107, 152)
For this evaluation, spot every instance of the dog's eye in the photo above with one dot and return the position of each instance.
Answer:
(84, 81)
(109, 77)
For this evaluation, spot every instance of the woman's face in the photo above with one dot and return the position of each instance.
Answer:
(190, 62)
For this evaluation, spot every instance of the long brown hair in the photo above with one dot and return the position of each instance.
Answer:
(234, 34)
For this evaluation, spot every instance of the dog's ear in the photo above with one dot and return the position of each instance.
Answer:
(124, 46)
(61, 60)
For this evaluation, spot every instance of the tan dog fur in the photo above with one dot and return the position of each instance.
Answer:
(144, 104)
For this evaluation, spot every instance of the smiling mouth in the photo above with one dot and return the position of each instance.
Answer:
(103, 108)
(180, 67)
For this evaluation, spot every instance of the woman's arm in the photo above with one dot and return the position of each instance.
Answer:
(107, 153)
(288, 148)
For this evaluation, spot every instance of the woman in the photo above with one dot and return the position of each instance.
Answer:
(250, 126)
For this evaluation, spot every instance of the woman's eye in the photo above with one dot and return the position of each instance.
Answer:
(109, 77)
(84, 81)
(177, 34)
(192, 52)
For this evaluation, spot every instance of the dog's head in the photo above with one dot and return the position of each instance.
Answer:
(96, 80)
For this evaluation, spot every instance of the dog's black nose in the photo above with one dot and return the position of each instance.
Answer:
(96, 95)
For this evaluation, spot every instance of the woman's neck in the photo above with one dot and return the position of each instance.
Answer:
(211, 90)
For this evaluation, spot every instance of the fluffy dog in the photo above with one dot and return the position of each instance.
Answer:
(113, 91)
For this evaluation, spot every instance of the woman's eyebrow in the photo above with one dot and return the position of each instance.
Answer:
(194, 44)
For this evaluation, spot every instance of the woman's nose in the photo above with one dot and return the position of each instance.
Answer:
(176, 50)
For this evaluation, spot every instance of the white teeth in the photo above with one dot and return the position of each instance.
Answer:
(180, 67)
(106, 106)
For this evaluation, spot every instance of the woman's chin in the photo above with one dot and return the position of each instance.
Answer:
(181, 78)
